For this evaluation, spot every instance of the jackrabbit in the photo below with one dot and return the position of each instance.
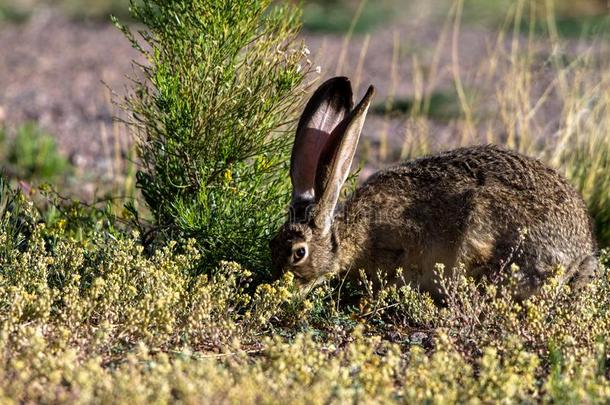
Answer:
(483, 207)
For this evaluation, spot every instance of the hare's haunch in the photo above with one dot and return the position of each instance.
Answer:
(483, 207)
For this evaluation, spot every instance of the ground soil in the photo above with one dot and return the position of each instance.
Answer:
(57, 72)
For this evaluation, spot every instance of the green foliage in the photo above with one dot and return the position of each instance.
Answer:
(11, 10)
(14, 226)
(33, 155)
(571, 18)
(91, 314)
(95, 9)
(439, 106)
(338, 16)
(213, 112)
(587, 161)
(576, 27)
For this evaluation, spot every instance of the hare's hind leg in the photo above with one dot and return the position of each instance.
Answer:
(582, 271)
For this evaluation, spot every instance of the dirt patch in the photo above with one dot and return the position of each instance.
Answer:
(54, 71)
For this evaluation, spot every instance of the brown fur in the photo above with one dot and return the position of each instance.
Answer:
(465, 206)
(484, 207)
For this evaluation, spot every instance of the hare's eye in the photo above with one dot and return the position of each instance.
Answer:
(298, 254)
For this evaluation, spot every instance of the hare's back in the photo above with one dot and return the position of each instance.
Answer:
(485, 203)
(491, 167)
(505, 178)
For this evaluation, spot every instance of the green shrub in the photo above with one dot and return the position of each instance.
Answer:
(14, 11)
(213, 110)
(573, 18)
(95, 9)
(13, 225)
(337, 16)
(584, 152)
(33, 155)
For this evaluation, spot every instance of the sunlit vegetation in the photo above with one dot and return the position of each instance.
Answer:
(175, 304)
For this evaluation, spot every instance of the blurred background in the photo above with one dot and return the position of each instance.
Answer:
(436, 64)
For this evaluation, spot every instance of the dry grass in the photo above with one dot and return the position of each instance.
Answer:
(543, 96)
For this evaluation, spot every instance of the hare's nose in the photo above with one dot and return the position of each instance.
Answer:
(299, 278)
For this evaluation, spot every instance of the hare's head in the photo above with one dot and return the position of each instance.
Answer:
(324, 147)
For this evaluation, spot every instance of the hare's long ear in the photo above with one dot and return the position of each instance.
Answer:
(326, 109)
(336, 161)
